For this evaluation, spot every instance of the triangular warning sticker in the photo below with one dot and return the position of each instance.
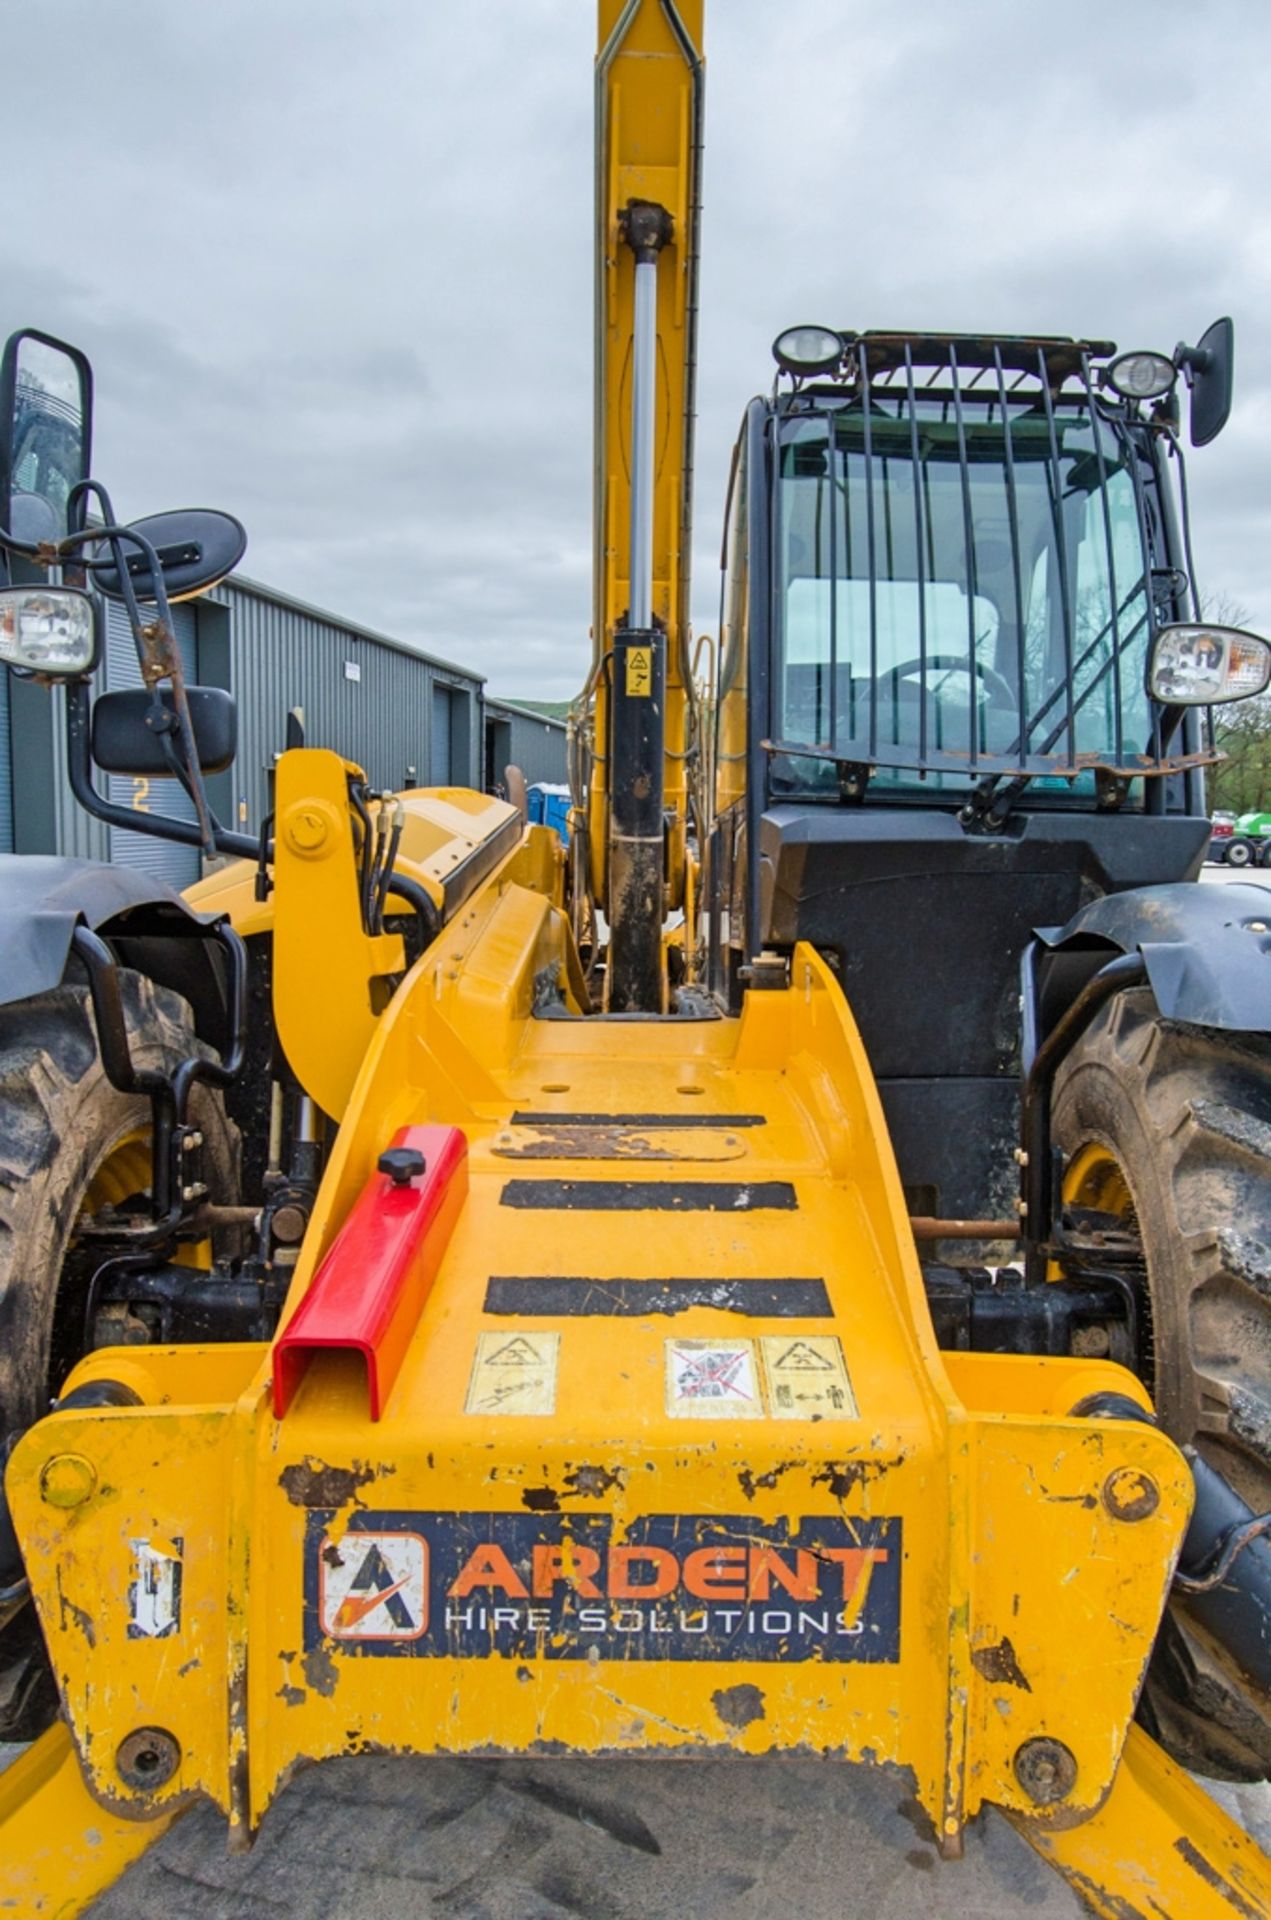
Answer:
(517, 1353)
(801, 1359)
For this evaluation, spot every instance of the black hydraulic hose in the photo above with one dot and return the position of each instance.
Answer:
(1224, 1566)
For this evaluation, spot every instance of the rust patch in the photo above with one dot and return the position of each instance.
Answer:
(738, 1706)
(75, 1616)
(540, 1499)
(1212, 1878)
(321, 1671)
(189, 1667)
(750, 1483)
(619, 1143)
(594, 1481)
(312, 1483)
(998, 1663)
(291, 1696)
(843, 1476)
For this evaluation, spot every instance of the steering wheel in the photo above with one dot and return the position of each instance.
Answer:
(998, 688)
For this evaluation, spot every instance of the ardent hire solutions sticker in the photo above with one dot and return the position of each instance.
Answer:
(712, 1380)
(807, 1378)
(514, 1372)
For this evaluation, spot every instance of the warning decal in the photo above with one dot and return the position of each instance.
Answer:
(514, 1372)
(639, 672)
(154, 1595)
(557, 1586)
(712, 1380)
(807, 1378)
(373, 1586)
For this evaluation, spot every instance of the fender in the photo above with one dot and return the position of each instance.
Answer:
(1207, 952)
(150, 928)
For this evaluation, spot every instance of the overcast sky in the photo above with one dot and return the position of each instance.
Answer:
(332, 258)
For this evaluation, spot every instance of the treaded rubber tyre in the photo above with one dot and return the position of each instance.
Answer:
(60, 1122)
(1185, 1114)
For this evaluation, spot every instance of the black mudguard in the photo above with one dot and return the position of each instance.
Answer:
(148, 926)
(1207, 950)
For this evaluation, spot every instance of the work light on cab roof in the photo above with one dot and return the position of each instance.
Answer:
(1141, 376)
(807, 350)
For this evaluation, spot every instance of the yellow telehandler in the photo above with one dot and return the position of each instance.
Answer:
(790, 1273)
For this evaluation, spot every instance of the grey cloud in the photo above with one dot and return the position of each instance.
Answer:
(333, 260)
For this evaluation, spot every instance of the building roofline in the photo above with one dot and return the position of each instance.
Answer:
(524, 713)
(243, 582)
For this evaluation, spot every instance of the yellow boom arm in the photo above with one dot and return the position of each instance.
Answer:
(649, 76)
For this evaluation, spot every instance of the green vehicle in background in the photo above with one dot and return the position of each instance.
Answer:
(1249, 844)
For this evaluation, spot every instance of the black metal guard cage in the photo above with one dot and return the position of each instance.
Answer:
(981, 389)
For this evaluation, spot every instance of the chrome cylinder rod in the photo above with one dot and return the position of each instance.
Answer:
(647, 229)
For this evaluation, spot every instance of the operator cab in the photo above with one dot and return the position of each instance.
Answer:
(953, 569)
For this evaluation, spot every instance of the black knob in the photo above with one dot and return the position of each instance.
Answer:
(402, 1164)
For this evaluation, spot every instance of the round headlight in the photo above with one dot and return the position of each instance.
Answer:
(1192, 666)
(1141, 376)
(808, 349)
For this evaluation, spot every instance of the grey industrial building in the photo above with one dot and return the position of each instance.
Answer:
(409, 719)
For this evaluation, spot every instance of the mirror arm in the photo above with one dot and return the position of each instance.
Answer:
(162, 826)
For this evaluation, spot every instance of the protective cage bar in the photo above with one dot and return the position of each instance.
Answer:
(966, 560)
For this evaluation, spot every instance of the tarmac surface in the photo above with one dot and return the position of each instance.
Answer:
(385, 1839)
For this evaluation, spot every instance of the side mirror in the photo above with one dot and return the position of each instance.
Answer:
(125, 741)
(195, 548)
(1209, 370)
(46, 406)
(1195, 666)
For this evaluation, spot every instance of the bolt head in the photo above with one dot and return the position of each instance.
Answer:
(1046, 1770)
(147, 1759)
(67, 1480)
(1130, 1495)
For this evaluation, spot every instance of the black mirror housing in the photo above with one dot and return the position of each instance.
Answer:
(1210, 370)
(123, 741)
(46, 430)
(195, 546)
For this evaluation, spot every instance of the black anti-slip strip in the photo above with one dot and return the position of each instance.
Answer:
(650, 1196)
(575, 1294)
(638, 1120)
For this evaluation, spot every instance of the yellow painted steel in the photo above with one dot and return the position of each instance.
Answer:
(58, 1848)
(998, 1495)
(648, 104)
(331, 979)
(1159, 1846)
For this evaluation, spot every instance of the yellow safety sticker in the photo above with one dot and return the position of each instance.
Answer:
(712, 1380)
(639, 672)
(807, 1378)
(514, 1372)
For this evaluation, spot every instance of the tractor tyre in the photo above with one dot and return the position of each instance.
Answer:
(1168, 1127)
(70, 1142)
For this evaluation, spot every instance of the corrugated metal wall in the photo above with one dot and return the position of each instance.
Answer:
(369, 700)
(164, 859)
(527, 740)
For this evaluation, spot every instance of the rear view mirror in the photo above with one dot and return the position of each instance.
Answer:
(125, 741)
(1209, 369)
(195, 548)
(46, 399)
